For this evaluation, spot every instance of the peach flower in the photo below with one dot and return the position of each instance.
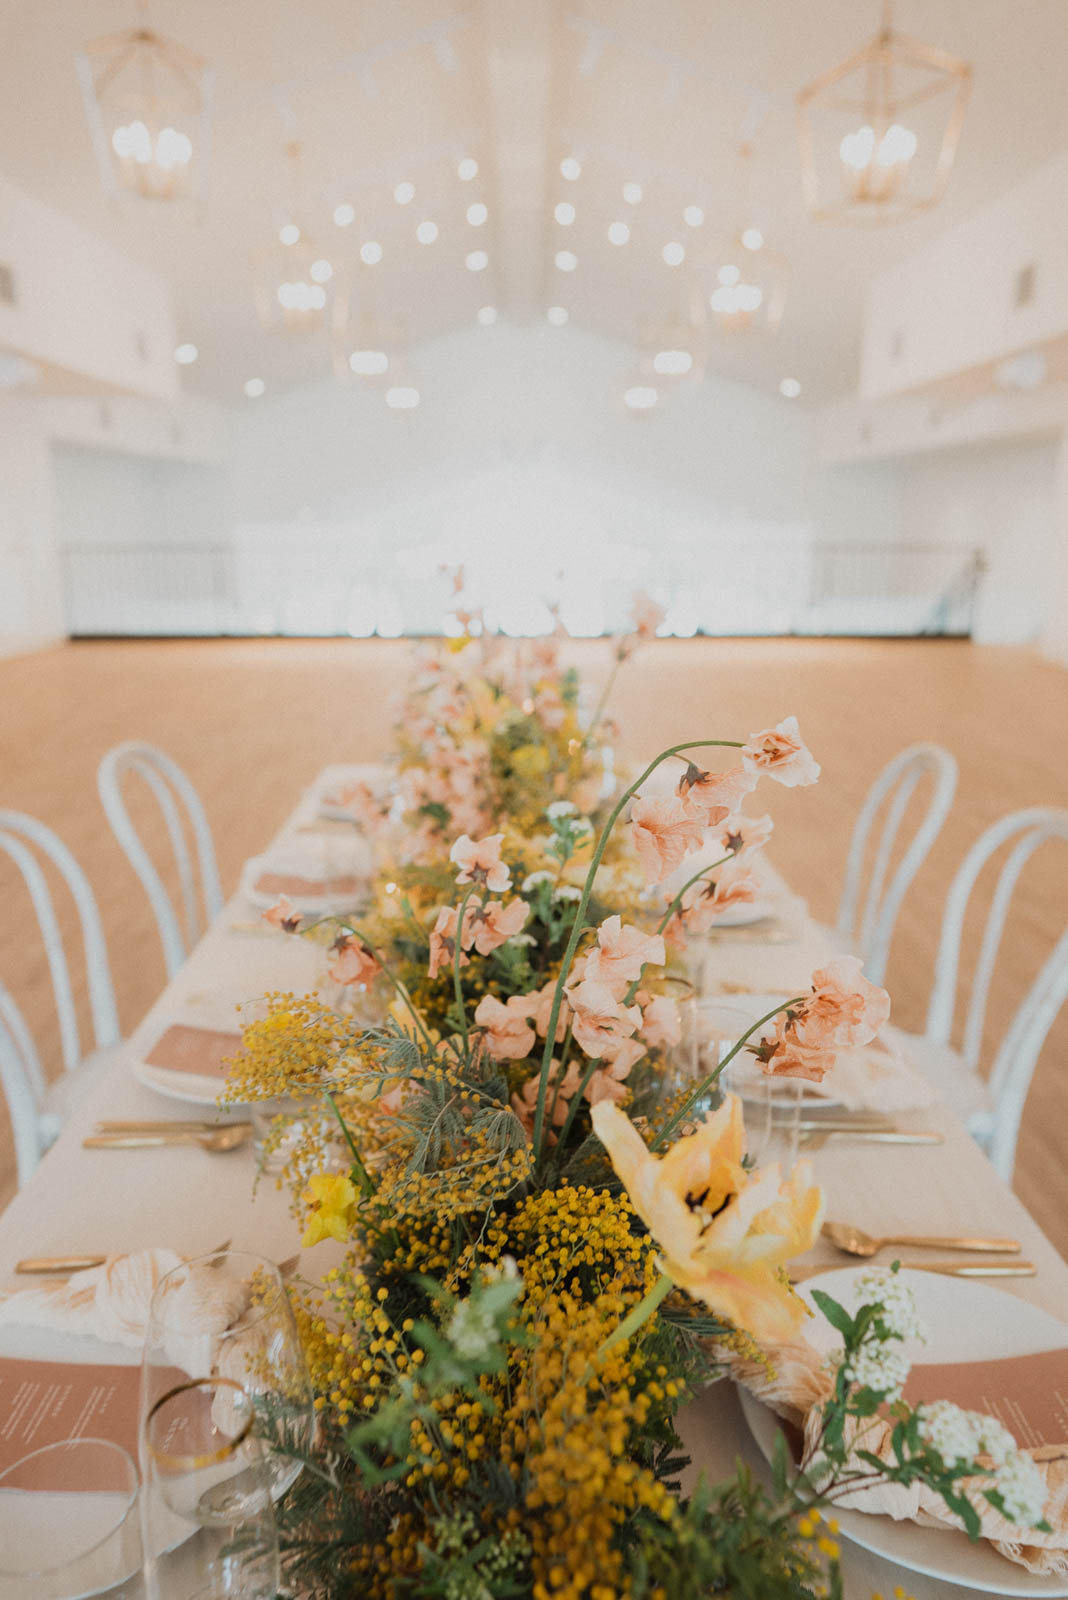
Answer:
(600, 1020)
(353, 961)
(480, 861)
(443, 941)
(780, 753)
(283, 915)
(493, 923)
(509, 1036)
(744, 835)
(734, 884)
(664, 832)
(845, 1010)
(557, 1099)
(621, 953)
(661, 1022)
(726, 1234)
(544, 1012)
(719, 794)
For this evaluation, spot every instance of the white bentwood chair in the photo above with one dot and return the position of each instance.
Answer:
(38, 1109)
(869, 928)
(992, 1109)
(172, 790)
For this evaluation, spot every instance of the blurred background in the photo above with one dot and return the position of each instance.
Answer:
(761, 307)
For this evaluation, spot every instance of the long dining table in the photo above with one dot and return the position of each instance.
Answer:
(90, 1200)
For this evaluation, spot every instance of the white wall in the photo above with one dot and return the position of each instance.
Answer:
(31, 602)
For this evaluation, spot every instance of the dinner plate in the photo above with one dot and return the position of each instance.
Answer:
(741, 916)
(965, 1321)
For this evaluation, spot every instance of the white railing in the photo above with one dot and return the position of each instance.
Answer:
(737, 585)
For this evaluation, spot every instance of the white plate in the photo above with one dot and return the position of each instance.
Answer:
(188, 1087)
(965, 1321)
(741, 916)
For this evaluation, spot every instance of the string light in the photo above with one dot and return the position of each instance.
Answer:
(344, 214)
(476, 261)
(477, 214)
(673, 253)
(693, 216)
(404, 193)
(289, 233)
(254, 388)
(186, 354)
(467, 169)
(618, 233)
(632, 193)
(570, 168)
(371, 253)
(369, 363)
(487, 316)
(426, 232)
(402, 397)
(564, 213)
(557, 315)
(753, 239)
(789, 388)
(321, 271)
(566, 260)
(640, 397)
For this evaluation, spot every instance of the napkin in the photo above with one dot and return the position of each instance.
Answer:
(798, 1382)
(111, 1303)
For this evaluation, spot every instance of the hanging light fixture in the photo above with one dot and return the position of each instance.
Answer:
(749, 278)
(297, 286)
(879, 132)
(148, 102)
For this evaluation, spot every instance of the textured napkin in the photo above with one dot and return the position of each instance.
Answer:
(799, 1382)
(111, 1303)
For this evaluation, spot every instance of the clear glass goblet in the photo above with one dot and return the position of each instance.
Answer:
(69, 1524)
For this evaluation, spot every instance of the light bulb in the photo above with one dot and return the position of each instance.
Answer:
(673, 253)
(570, 168)
(753, 239)
(403, 193)
(632, 193)
(564, 213)
(254, 387)
(402, 397)
(321, 271)
(640, 397)
(557, 315)
(186, 354)
(672, 363)
(566, 260)
(467, 169)
(618, 233)
(476, 261)
(477, 214)
(289, 233)
(487, 315)
(371, 253)
(369, 363)
(728, 275)
(693, 216)
(426, 232)
(789, 388)
(344, 214)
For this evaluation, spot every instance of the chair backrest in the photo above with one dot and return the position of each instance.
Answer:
(172, 789)
(1018, 1052)
(22, 1083)
(15, 830)
(872, 927)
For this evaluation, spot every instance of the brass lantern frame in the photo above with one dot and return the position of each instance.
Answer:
(876, 102)
(154, 59)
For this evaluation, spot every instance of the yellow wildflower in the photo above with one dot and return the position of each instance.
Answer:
(333, 1200)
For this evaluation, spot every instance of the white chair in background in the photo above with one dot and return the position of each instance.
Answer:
(992, 1109)
(23, 1084)
(52, 1102)
(172, 790)
(869, 929)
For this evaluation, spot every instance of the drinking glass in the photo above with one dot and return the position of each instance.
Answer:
(227, 1315)
(680, 1068)
(207, 1508)
(68, 1523)
(771, 1106)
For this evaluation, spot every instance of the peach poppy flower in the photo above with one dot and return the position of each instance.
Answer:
(664, 831)
(353, 962)
(480, 861)
(443, 941)
(661, 1022)
(621, 953)
(845, 1009)
(599, 1019)
(720, 794)
(544, 1012)
(782, 1056)
(283, 915)
(509, 1035)
(493, 923)
(557, 1100)
(780, 753)
(746, 835)
(734, 884)
(725, 1233)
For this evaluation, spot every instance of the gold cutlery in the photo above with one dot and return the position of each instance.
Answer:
(855, 1242)
(859, 1124)
(38, 1265)
(164, 1125)
(813, 1138)
(948, 1269)
(216, 1140)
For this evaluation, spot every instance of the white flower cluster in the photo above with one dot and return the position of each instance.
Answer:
(882, 1365)
(560, 808)
(567, 891)
(880, 1286)
(532, 880)
(472, 1327)
(961, 1436)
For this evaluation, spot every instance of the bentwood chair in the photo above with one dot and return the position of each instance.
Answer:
(173, 792)
(80, 1067)
(992, 1109)
(867, 915)
(23, 1084)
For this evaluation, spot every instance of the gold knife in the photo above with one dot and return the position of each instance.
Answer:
(38, 1265)
(948, 1269)
(166, 1125)
(813, 1139)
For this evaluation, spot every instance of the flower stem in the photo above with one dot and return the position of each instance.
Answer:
(580, 918)
(357, 1160)
(706, 1083)
(456, 957)
(641, 1313)
(698, 875)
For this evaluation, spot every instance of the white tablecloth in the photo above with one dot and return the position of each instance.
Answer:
(100, 1200)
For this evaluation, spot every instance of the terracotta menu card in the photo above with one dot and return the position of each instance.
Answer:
(184, 1048)
(1027, 1394)
(49, 1402)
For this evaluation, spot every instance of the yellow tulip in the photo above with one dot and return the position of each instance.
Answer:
(332, 1198)
(725, 1233)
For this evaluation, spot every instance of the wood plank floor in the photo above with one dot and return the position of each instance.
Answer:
(253, 721)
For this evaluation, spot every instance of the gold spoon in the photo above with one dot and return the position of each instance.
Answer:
(855, 1242)
(228, 1138)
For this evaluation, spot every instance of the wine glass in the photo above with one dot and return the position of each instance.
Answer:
(68, 1522)
(227, 1315)
(207, 1508)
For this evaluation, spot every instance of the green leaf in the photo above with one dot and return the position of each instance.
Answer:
(836, 1315)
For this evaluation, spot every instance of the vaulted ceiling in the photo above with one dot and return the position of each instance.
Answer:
(399, 91)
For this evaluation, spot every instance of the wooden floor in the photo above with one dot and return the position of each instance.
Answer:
(253, 721)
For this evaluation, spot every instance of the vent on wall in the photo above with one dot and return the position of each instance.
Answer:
(7, 284)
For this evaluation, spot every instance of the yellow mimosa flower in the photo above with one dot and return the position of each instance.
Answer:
(332, 1197)
(725, 1233)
